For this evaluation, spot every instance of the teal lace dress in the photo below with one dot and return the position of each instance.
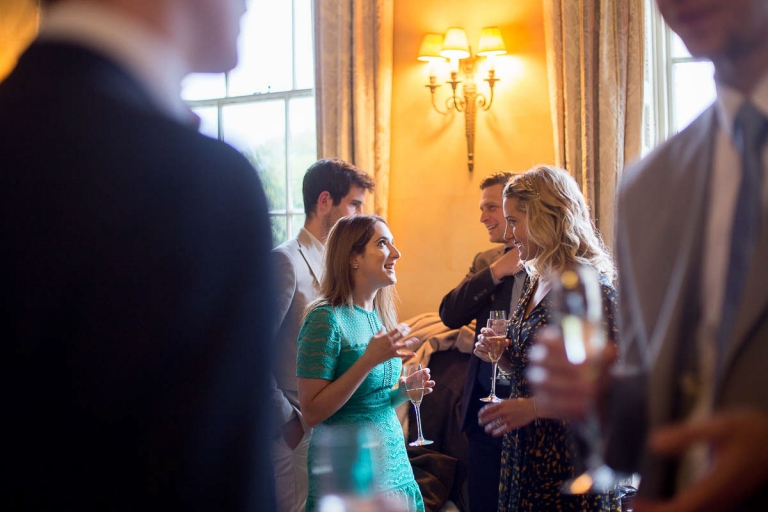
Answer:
(330, 341)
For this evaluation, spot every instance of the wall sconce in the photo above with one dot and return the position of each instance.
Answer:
(453, 46)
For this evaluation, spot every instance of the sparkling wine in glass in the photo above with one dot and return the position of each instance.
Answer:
(577, 303)
(498, 342)
(414, 387)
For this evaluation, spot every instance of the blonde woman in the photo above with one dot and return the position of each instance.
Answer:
(350, 348)
(548, 220)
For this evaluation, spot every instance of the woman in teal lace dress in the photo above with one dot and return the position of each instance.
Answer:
(349, 353)
(548, 220)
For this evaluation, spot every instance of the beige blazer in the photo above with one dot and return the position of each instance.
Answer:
(662, 208)
(298, 267)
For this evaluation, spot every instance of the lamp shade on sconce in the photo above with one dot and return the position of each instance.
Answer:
(491, 42)
(455, 45)
(430, 48)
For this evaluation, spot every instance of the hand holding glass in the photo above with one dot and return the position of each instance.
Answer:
(496, 345)
(577, 302)
(415, 383)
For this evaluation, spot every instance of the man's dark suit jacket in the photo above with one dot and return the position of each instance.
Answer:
(473, 299)
(136, 300)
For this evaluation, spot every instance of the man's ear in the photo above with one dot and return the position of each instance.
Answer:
(324, 202)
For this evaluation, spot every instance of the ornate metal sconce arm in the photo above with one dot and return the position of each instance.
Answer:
(491, 82)
(456, 102)
(466, 100)
(432, 86)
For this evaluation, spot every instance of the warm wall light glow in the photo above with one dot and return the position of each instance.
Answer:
(455, 45)
(430, 48)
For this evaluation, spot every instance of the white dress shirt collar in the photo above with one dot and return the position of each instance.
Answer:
(141, 52)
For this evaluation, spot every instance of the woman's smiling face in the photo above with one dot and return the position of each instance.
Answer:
(376, 266)
(516, 231)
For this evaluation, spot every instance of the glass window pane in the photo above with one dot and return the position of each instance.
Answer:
(305, 62)
(678, 46)
(693, 91)
(258, 131)
(297, 222)
(265, 49)
(302, 144)
(278, 229)
(209, 121)
(203, 86)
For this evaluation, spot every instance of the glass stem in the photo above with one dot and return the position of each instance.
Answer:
(418, 421)
(493, 380)
(594, 439)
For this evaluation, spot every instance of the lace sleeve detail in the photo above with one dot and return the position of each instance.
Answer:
(319, 345)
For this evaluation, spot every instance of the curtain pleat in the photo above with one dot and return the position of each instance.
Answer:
(595, 63)
(353, 75)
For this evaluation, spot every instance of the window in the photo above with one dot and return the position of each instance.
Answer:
(265, 107)
(678, 87)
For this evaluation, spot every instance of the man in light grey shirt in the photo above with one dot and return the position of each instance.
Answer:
(332, 189)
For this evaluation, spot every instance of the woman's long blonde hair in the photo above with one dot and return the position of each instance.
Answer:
(558, 222)
(348, 238)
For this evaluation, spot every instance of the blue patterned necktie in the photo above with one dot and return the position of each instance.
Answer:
(750, 129)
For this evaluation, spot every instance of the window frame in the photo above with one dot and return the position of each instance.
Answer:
(659, 113)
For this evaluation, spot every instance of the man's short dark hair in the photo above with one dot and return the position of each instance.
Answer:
(499, 178)
(335, 176)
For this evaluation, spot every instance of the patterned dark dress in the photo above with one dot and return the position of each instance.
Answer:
(537, 458)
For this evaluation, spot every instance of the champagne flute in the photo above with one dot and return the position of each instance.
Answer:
(577, 302)
(414, 387)
(497, 342)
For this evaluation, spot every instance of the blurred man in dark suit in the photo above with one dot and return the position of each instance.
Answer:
(137, 297)
(490, 285)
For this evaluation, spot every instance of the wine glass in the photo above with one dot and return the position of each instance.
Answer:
(497, 342)
(577, 304)
(414, 387)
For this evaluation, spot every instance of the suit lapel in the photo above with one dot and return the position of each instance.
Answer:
(312, 256)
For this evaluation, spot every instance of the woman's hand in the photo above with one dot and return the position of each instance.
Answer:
(502, 417)
(386, 345)
(482, 347)
(428, 384)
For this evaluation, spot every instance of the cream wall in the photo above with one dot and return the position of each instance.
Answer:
(433, 205)
(18, 26)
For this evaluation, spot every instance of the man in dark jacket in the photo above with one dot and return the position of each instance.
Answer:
(136, 276)
(494, 282)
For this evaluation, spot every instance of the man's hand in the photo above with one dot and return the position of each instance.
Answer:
(508, 265)
(739, 442)
(568, 390)
(292, 432)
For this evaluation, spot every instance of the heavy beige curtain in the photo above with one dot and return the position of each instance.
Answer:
(595, 62)
(353, 77)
